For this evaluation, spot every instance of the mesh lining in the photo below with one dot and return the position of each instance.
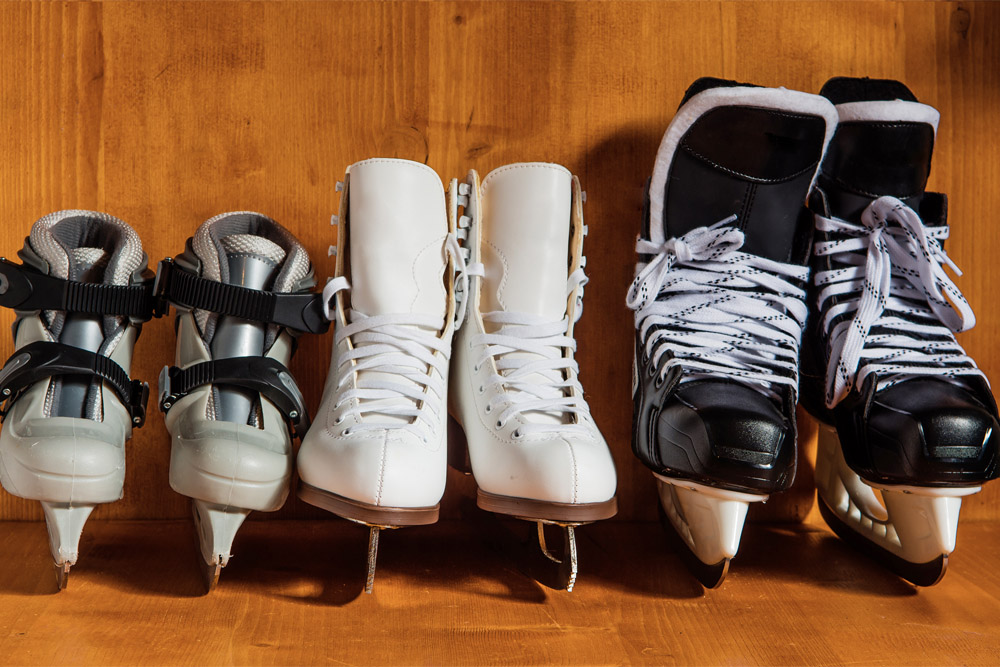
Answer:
(248, 244)
(82, 257)
(54, 236)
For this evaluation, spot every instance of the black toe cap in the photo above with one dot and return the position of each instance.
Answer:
(928, 431)
(727, 433)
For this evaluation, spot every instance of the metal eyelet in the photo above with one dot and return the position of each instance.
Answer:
(499, 424)
(339, 420)
(516, 434)
(659, 381)
(652, 370)
(347, 431)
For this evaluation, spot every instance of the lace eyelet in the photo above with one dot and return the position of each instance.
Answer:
(339, 420)
(652, 370)
(660, 379)
(475, 369)
(481, 389)
(516, 434)
(499, 424)
(347, 431)
(489, 409)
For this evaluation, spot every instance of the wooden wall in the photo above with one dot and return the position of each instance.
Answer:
(167, 113)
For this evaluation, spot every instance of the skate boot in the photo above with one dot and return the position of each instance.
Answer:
(905, 412)
(241, 292)
(81, 295)
(533, 446)
(377, 453)
(719, 301)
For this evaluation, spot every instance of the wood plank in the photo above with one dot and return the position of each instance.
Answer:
(443, 595)
(167, 113)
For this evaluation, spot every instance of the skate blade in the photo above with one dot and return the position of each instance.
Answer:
(709, 575)
(64, 523)
(210, 574)
(705, 524)
(216, 527)
(918, 574)
(552, 563)
(374, 532)
(372, 558)
(564, 576)
(910, 531)
(377, 518)
(62, 575)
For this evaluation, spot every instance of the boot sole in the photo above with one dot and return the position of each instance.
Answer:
(372, 515)
(546, 511)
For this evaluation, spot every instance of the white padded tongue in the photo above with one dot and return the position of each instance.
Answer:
(398, 226)
(525, 231)
(889, 111)
(525, 249)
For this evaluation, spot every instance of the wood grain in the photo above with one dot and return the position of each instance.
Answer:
(292, 596)
(168, 113)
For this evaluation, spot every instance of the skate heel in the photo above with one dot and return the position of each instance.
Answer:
(216, 526)
(65, 525)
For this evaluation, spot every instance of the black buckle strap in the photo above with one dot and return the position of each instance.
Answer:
(24, 288)
(300, 312)
(41, 360)
(264, 375)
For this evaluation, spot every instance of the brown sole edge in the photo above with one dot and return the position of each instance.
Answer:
(373, 515)
(546, 511)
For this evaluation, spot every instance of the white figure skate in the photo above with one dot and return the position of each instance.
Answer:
(719, 305)
(905, 411)
(377, 452)
(80, 296)
(241, 291)
(534, 449)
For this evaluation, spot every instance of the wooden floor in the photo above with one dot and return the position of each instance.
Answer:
(445, 595)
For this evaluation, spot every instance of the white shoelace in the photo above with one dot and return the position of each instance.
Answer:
(389, 348)
(888, 272)
(533, 370)
(716, 311)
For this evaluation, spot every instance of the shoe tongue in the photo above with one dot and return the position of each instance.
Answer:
(87, 265)
(525, 233)
(753, 156)
(397, 227)
(253, 260)
(881, 147)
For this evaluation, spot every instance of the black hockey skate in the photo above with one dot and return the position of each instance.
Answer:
(904, 410)
(719, 301)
